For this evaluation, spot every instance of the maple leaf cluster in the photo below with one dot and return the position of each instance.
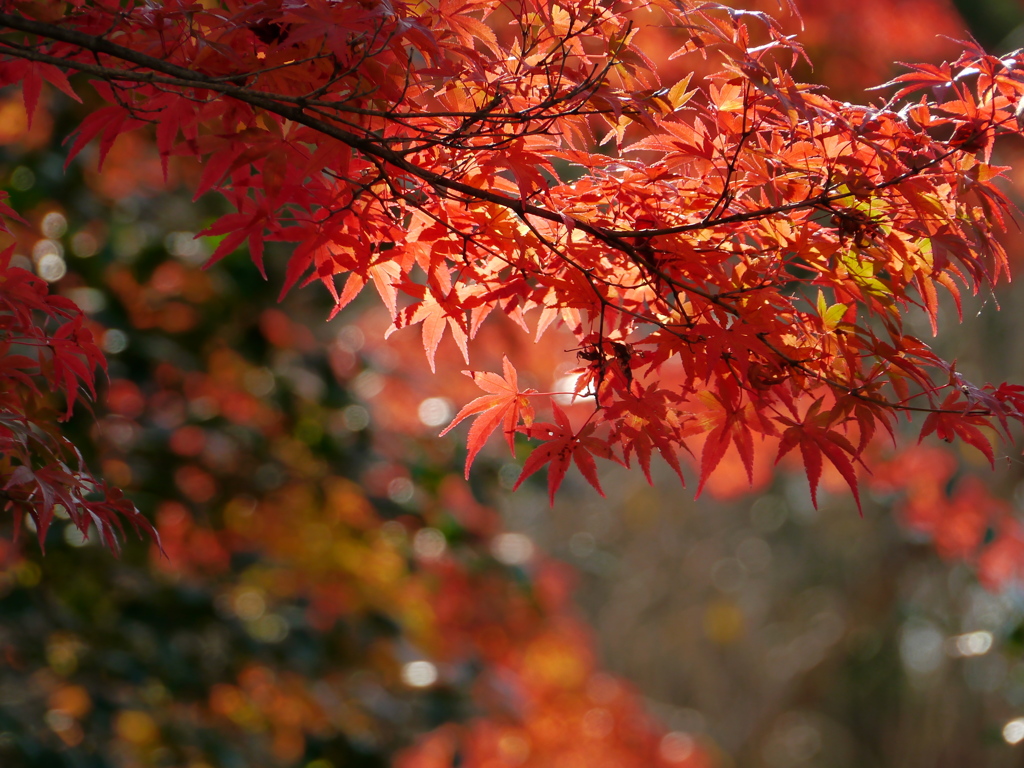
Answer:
(734, 253)
(48, 354)
(247, 555)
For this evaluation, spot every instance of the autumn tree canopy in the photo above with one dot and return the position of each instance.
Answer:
(714, 261)
(733, 252)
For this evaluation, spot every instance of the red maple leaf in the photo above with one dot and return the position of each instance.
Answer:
(562, 446)
(506, 404)
(816, 439)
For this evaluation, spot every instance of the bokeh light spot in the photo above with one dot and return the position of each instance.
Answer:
(419, 674)
(51, 268)
(972, 644)
(676, 746)
(1013, 731)
(136, 727)
(435, 411)
(22, 178)
(355, 418)
(249, 605)
(84, 245)
(115, 341)
(921, 647)
(401, 490)
(512, 548)
(54, 225)
(429, 543)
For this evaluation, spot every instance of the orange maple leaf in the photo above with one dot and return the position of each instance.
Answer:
(506, 404)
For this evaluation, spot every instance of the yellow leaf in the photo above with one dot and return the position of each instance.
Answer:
(678, 95)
